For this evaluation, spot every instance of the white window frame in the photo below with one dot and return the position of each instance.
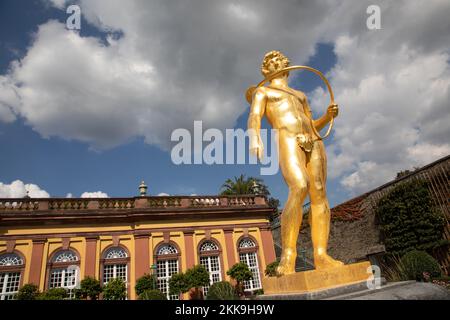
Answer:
(166, 265)
(208, 260)
(245, 256)
(66, 277)
(10, 277)
(7, 276)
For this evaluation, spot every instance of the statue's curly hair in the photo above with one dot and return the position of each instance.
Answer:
(272, 55)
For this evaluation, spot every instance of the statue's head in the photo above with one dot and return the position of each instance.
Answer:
(274, 61)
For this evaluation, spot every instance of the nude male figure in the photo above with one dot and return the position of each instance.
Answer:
(302, 160)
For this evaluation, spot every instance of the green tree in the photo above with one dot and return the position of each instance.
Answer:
(222, 290)
(178, 284)
(53, 294)
(115, 289)
(194, 278)
(30, 291)
(145, 283)
(240, 273)
(271, 269)
(89, 288)
(242, 185)
(152, 295)
(409, 220)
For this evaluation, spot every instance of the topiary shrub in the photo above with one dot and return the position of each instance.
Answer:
(197, 277)
(89, 288)
(115, 289)
(178, 284)
(145, 283)
(222, 290)
(271, 269)
(258, 292)
(29, 291)
(194, 278)
(240, 272)
(152, 295)
(53, 294)
(408, 219)
(416, 265)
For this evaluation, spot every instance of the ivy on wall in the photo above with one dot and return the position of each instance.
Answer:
(409, 220)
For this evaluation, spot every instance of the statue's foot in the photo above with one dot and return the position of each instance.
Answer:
(287, 264)
(324, 261)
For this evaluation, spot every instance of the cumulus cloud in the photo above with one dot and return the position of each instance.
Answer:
(394, 90)
(96, 194)
(163, 194)
(176, 62)
(18, 189)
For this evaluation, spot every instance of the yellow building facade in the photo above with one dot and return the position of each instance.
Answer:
(58, 242)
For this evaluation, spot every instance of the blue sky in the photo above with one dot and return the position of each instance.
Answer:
(59, 161)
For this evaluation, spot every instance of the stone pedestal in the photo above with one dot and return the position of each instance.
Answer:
(307, 281)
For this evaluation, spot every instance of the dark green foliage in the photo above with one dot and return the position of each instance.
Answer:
(115, 289)
(222, 290)
(241, 185)
(240, 272)
(271, 269)
(408, 219)
(197, 276)
(89, 288)
(29, 291)
(152, 295)
(145, 283)
(416, 263)
(53, 294)
(178, 284)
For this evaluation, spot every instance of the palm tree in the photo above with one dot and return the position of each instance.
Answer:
(241, 185)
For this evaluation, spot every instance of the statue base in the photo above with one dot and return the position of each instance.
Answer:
(303, 282)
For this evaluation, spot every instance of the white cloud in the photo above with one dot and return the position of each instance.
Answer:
(175, 63)
(17, 189)
(393, 87)
(60, 4)
(163, 194)
(96, 194)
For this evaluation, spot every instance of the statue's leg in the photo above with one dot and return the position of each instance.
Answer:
(292, 163)
(320, 210)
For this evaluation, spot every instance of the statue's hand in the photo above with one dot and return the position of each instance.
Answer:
(333, 110)
(257, 147)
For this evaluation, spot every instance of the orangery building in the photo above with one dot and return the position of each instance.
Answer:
(57, 242)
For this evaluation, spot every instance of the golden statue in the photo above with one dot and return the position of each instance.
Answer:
(301, 155)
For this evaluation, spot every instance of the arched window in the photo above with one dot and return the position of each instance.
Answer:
(209, 258)
(64, 271)
(166, 265)
(11, 266)
(247, 254)
(115, 264)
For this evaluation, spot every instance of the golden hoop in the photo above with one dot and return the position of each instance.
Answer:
(251, 90)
